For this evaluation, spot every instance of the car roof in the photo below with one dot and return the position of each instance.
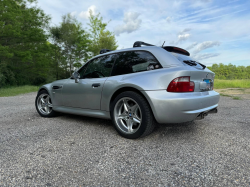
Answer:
(163, 56)
(146, 48)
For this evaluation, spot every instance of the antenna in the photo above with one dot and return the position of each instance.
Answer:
(163, 44)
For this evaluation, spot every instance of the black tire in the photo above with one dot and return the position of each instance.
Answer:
(52, 113)
(148, 122)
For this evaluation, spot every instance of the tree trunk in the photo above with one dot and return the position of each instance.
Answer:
(70, 66)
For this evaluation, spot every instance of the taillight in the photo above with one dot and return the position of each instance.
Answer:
(181, 84)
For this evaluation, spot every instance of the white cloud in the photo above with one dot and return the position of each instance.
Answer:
(166, 20)
(191, 46)
(169, 19)
(211, 18)
(85, 14)
(205, 56)
(184, 31)
(132, 23)
(182, 37)
(205, 45)
(73, 13)
(200, 3)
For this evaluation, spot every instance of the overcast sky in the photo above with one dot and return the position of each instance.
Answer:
(213, 31)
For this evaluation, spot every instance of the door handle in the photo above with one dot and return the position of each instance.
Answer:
(96, 85)
(56, 87)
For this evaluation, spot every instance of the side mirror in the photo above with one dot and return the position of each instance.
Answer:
(76, 76)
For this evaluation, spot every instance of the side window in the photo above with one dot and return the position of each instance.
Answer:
(135, 61)
(82, 70)
(99, 67)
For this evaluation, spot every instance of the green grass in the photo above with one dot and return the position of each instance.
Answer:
(234, 97)
(225, 95)
(12, 91)
(219, 84)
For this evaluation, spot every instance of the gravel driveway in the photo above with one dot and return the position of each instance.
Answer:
(74, 150)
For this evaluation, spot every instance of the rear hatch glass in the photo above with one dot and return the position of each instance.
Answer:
(187, 60)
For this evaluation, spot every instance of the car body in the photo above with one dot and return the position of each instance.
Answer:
(148, 72)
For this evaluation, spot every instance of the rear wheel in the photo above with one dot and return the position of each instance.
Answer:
(132, 115)
(44, 104)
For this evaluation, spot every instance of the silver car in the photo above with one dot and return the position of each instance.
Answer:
(136, 88)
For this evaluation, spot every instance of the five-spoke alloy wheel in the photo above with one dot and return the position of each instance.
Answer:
(128, 115)
(44, 104)
(132, 115)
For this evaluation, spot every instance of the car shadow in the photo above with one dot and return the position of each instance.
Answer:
(86, 119)
(170, 129)
(176, 128)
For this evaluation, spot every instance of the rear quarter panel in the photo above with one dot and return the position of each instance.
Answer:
(143, 81)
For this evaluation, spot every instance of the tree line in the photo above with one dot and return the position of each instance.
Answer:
(230, 71)
(34, 52)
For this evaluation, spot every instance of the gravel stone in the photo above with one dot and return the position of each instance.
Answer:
(71, 150)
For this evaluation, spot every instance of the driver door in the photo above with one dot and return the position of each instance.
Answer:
(88, 91)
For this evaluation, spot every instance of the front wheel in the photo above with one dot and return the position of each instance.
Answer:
(44, 104)
(132, 115)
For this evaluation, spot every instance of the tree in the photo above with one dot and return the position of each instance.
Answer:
(56, 51)
(73, 41)
(23, 47)
(230, 71)
(100, 37)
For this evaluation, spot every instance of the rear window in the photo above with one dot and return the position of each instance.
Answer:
(187, 60)
(134, 61)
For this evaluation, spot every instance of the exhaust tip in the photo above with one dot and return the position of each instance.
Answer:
(203, 114)
(213, 111)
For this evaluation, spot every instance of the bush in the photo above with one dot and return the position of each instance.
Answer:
(219, 84)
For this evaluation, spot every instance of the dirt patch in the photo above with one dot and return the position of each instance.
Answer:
(235, 93)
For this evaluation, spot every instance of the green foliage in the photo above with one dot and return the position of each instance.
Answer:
(23, 46)
(220, 84)
(71, 43)
(7, 77)
(100, 37)
(12, 91)
(230, 71)
(225, 95)
(32, 53)
(234, 97)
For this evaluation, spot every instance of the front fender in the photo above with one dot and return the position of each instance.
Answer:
(47, 87)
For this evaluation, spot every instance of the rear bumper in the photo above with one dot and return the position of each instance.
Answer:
(180, 107)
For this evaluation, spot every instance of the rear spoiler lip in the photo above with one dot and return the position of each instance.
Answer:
(167, 48)
(176, 50)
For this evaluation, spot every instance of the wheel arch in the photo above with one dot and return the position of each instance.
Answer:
(47, 89)
(41, 89)
(127, 88)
